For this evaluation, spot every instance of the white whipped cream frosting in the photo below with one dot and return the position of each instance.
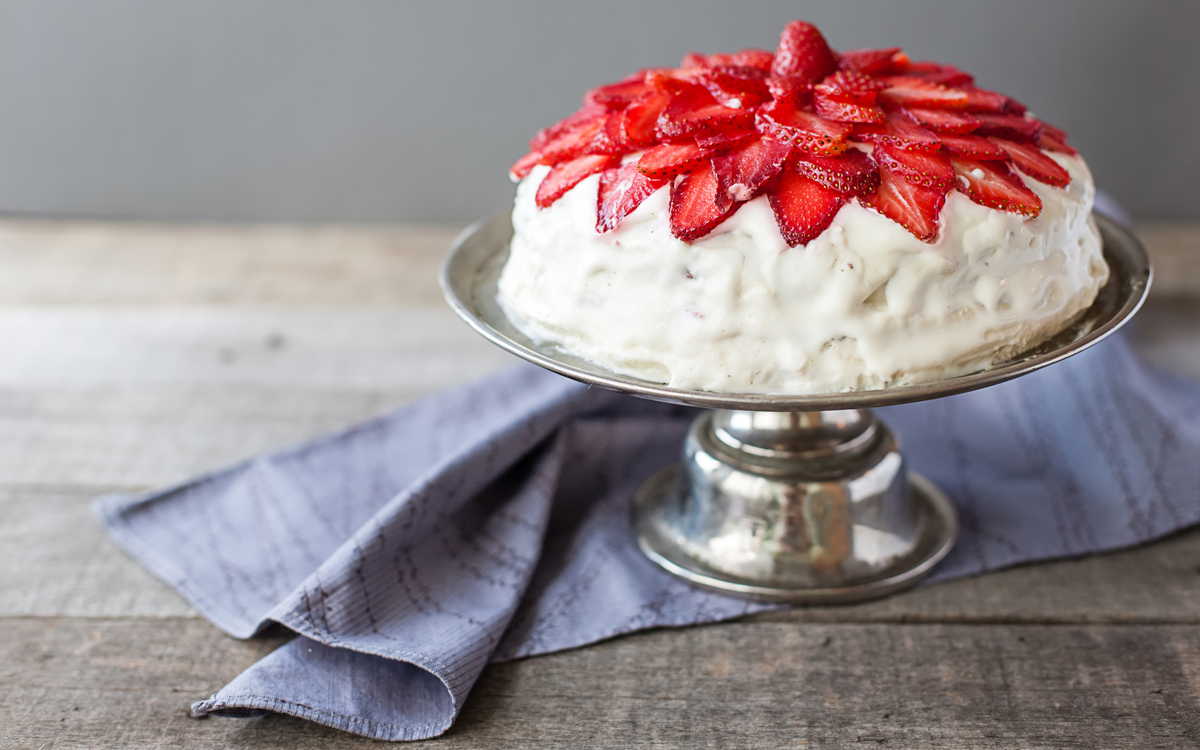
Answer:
(863, 306)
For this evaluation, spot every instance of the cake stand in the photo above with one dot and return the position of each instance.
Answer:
(803, 499)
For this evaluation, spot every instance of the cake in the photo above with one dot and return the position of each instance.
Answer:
(800, 222)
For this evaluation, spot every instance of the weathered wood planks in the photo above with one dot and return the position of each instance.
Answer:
(139, 355)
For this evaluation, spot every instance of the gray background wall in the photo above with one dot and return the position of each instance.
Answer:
(385, 110)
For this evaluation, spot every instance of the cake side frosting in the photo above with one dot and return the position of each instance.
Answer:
(864, 305)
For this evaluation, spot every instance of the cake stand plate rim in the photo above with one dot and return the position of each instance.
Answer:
(478, 252)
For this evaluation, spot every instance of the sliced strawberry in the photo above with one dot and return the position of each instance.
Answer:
(754, 58)
(695, 60)
(912, 206)
(793, 92)
(806, 131)
(696, 111)
(803, 53)
(982, 100)
(869, 61)
(842, 111)
(572, 122)
(621, 190)
(898, 132)
(803, 208)
(670, 159)
(737, 88)
(572, 143)
(950, 121)
(852, 173)
(674, 81)
(947, 75)
(850, 86)
(1014, 107)
(524, 166)
(610, 139)
(742, 172)
(695, 210)
(1030, 160)
(1047, 141)
(1057, 133)
(639, 121)
(910, 91)
(568, 174)
(995, 185)
(721, 143)
(617, 95)
(972, 147)
(918, 167)
(1011, 127)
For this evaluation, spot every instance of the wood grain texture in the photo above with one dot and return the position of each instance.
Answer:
(142, 355)
(58, 562)
(127, 683)
(1174, 248)
(113, 263)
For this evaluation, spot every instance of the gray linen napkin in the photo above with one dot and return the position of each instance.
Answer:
(490, 522)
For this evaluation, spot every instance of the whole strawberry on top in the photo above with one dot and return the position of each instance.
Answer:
(808, 127)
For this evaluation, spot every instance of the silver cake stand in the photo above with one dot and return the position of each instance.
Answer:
(803, 499)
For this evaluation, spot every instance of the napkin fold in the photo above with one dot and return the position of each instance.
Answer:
(491, 522)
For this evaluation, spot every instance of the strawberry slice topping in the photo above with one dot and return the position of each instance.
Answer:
(722, 143)
(912, 206)
(617, 95)
(741, 173)
(670, 159)
(802, 129)
(610, 138)
(832, 108)
(911, 91)
(871, 61)
(972, 147)
(982, 100)
(852, 173)
(754, 58)
(942, 120)
(695, 210)
(737, 87)
(851, 86)
(621, 190)
(1011, 127)
(572, 143)
(918, 167)
(803, 53)
(639, 121)
(900, 133)
(995, 185)
(791, 92)
(726, 127)
(696, 111)
(947, 75)
(1031, 161)
(1050, 142)
(571, 122)
(564, 176)
(803, 208)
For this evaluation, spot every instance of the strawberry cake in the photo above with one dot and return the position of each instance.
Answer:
(802, 221)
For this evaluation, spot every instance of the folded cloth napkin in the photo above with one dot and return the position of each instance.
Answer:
(491, 522)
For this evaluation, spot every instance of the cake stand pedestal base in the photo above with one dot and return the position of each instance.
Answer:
(801, 507)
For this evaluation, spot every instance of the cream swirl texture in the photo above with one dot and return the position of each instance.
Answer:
(865, 305)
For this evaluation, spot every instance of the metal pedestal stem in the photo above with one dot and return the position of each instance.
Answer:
(805, 506)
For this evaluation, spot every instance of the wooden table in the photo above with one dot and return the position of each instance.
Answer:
(138, 355)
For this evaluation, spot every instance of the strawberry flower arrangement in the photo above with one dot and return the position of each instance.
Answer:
(806, 126)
